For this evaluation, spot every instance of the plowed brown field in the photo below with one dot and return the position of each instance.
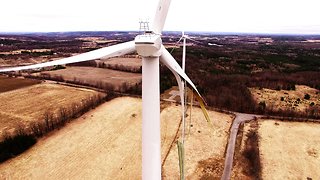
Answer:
(8, 83)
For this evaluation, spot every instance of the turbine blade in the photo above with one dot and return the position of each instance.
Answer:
(161, 15)
(167, 59)
(176, 44)
(106, 52)
(179, 40)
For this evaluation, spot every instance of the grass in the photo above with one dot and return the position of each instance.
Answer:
(247, 153)
(251, 154)
(289, 150)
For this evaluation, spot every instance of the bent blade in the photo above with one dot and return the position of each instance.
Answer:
(167, 59)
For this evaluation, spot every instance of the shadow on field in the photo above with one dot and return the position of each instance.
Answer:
(13, 146)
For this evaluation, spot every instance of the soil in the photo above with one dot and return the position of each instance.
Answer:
(10, 83)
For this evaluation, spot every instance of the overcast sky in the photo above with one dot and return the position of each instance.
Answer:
(258, 16)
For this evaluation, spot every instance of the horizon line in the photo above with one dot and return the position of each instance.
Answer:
(166, 31)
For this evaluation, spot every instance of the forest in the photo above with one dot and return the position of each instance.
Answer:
(224, 74)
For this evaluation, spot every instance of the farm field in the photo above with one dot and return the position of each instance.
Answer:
(22, 62)
(106, 142)
(133, 64)
(289, 150)
(19, 108)
(204, 147)
(294, 99)
(95, 76)
(8, 83)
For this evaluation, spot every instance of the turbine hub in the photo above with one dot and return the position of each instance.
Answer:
(148, 44)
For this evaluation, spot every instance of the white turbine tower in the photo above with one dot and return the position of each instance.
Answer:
(184, 37)
(183, 99)
(149, 47)
(183, 90)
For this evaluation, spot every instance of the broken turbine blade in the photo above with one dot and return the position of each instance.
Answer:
(167, 59)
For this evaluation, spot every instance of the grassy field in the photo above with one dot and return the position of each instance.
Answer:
(96, 76)
(127, 64)
(289, 150)
(23, 106)
(106, 143)
(8, 83)
(204, 147)
(283, 99)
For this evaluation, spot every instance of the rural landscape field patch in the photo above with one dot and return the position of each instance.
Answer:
(106, 142)
(97, 77)
(289, 150)
(282, 149)
(204, 147)
(19, 108)
(9, 83)
(103, 143)
(123, 64)
(300, 99)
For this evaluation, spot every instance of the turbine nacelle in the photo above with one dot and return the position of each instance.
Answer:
(148, 44)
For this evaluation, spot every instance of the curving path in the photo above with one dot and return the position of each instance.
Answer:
(240, 118)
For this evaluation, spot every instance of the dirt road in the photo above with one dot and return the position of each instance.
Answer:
(240, 118)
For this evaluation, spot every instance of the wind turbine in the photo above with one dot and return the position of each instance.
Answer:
(183, 99)
(183, 93)
(184, 38)
(149, 46)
